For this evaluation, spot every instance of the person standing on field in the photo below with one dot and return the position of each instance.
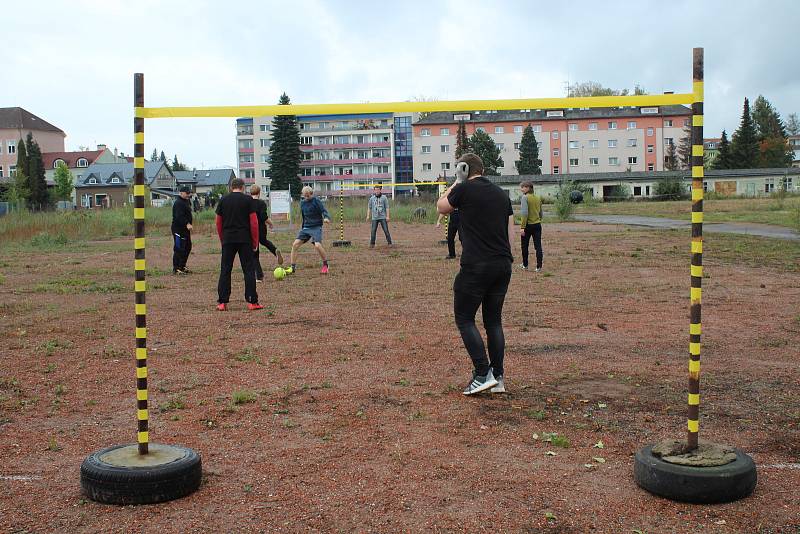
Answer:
(181, 231)
(237, 227)
(452, 229)
(531, 224)
(314, 216)
(263, 222)
(487, 230)
(378, 211)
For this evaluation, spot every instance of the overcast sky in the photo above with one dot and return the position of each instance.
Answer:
(72, 62)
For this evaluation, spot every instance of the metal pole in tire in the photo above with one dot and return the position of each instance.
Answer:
(694, 471)
(144, 472)
(341, 242)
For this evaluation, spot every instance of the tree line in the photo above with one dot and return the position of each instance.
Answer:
(28, 185)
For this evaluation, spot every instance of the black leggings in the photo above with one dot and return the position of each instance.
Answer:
(482, 286)
(257, 261)
(452, 229)
(535, 231)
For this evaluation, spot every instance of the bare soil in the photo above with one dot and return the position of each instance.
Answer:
(357, 421)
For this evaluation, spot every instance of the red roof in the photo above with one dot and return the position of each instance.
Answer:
(70, 158)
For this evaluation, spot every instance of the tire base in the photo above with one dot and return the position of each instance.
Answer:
(706, 485)
(116, 475)
(340, 243)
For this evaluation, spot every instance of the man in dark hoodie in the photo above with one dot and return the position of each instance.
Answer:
(181, 231)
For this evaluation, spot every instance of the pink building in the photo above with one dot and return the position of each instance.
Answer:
(15, 123)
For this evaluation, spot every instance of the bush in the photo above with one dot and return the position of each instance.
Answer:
(670, 189)
(617, 193)
(563, 203)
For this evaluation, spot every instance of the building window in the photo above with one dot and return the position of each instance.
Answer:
(668, 123)
(649, 111)
(264, 127)
(594, 161)
(517, 129)
(612, 143)
(613, 161)
(249, 174)
(56, 162)
(1, 171)
(265, 157)
(632, 160)
(631, 142)
(265, 172)
(573, 144)
(425, 132)
(516, 147)
(594, 143)
(555, 169)
(498, 129)
(555, 134)
(265, 143)
(650, 149)
(637, 190)
(573, 127)
(650, 166)
(592, 125)
(667, 141)
(555, 113)
(649, 132)
(92, 181)
(245, 143)
(444, 148)
(501, 146)
(461, 117)
(246, 158)
(537, 128)
(769, 185)
(573, 162)
(444, 131)
(12, 147)
(631, 125)
(306, 140)
(556, 152)
(787, 183)
(685, 123)
(426, 149)
(705, 187)
(115, 180)
(612, 125)
(426, 166)
(83, 162)
(12, 170)
(446, 166)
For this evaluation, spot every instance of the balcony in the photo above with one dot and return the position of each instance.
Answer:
(376, 144)
(246, 165)
(328, 162)
(244, 131)
(360, 126)
(358, 178)
(246, 150)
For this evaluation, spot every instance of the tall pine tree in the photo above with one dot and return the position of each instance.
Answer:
(744, 145)
(528, 153)
(284, 153)
(685, 149)
(23, 162)
(462, 141)
(723, 159)
(671, 158)
(37, 184)
(793, 124)
(154, 155)
(485, 148)
(178, 166)
(767, 120)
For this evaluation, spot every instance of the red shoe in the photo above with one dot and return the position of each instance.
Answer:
(255, 306)
(324, 269)
(222, 306)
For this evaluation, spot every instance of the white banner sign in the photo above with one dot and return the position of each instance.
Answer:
(280, 202)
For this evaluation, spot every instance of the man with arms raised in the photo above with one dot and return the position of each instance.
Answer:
(487, 230)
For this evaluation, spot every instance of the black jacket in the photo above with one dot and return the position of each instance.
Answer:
(181, 216)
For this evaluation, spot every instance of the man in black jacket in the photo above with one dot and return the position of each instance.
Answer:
(181, 231)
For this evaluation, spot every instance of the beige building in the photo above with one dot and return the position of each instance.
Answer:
(571, 141)
(15, 124)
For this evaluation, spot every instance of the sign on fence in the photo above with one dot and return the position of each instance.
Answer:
(280, 203)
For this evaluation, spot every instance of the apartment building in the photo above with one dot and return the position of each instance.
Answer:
(337, 150)
(15, 123)
(571, 141)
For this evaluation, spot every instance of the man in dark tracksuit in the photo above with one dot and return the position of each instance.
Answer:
(181, 231)
(237, 227)
(263, 222)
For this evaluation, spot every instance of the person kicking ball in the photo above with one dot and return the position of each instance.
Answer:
(487, 231)
(314, 216)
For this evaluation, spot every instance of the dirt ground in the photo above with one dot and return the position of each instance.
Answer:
(357, 422)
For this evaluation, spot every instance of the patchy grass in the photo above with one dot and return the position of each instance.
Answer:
(243, 396)
(176, 402)
(71, 286)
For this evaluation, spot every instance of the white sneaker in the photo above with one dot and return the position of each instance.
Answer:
(538, 269)
(500, 387)
(523, 267)
(480, 383)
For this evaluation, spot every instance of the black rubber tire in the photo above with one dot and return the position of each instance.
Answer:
(706, 485)
(575, 196)
(340, 243)
(110, 484)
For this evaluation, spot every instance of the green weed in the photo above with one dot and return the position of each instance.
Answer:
(243, 396)
(176, 402)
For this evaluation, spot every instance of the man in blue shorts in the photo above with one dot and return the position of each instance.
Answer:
(314, 216)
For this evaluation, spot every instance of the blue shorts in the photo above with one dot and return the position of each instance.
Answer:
(314, 234)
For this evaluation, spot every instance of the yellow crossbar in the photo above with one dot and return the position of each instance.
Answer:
(398, 107)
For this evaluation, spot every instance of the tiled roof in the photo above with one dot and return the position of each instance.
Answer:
(104, 172)
(207, 177)
(516, 115)
(70, 158)
(21, 119)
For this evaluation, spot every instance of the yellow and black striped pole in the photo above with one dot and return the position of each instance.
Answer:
(139, 263)
(697, 250)
(341, 242)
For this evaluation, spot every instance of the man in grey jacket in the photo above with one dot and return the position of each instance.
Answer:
(378, 212)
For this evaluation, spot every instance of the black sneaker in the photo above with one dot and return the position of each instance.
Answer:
(480, 383)
(449, 257)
